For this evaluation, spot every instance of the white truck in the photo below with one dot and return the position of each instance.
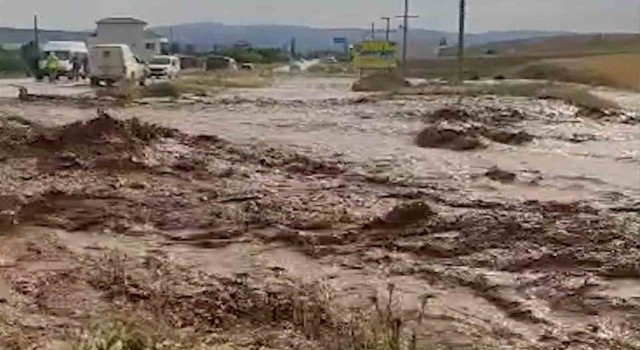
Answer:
(111, 63)
(164, 66)
(64, 51)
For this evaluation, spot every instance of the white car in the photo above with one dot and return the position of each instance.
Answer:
(164, 66)
(111, 63)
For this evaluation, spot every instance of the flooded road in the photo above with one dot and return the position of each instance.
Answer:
(516, 218)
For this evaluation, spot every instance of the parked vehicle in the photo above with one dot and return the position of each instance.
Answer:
(164, 66)
(220, 63)
(64, 51)
(111, 63)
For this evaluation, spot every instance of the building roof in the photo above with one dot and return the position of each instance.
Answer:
(121, 20)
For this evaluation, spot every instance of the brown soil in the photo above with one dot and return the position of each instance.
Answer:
(449, 137)
(380, 82)
(214, 243)
(498, 174)
(459, 130)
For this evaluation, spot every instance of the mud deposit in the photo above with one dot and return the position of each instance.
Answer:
(460, 131)
(116, 226)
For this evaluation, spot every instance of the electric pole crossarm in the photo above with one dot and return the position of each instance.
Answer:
(388, 28)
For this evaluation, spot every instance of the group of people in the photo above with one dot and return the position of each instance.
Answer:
(80, 66)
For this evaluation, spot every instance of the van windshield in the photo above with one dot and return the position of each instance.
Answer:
(160, 60)
(62, 55)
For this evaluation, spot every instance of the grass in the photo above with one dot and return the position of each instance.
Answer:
(331, 69)
(132, 333)
(309, 309)
(11, 64)
(619, 71)
(201, 85)
(614, 70)
(575, 95)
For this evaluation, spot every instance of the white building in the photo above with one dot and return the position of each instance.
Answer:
(131, 31)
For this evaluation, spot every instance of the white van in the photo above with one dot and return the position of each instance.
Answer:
(164, 66)
(110, 63)
(64, 51)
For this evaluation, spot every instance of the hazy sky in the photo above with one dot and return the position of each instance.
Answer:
(484, 15)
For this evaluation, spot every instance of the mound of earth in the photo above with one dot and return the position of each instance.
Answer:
(452, 114)
(508, 137)
(485, 115)
(449, 136)
(380, 82)
(100, 142)
(500, 175)
(102, 131)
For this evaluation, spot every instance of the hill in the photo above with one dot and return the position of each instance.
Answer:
(422, 42)
(207, 34)
(561, 45)
(21, 36)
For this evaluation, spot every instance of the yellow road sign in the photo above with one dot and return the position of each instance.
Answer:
(375, 55)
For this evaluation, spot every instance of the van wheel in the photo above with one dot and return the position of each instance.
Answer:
(94, 82)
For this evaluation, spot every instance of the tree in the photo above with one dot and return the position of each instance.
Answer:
(190, 49)
(175, 48)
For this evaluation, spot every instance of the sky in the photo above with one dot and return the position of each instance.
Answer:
(483, 15)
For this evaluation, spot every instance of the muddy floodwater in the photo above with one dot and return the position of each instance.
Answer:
(517, 218)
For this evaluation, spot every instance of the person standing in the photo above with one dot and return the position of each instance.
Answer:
(76, 63)
(53, 63)
(85, 65)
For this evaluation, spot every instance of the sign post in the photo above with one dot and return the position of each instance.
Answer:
(344, 42)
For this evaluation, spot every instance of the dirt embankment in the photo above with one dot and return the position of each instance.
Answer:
(539, 274)
(380, 82)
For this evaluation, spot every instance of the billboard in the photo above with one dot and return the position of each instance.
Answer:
(375, 55)
(340, 40)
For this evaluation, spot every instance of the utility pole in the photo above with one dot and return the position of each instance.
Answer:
(460, 75)
(373, 31)
(388, 30)
(405, 35)
(36, 34)
(171, 41)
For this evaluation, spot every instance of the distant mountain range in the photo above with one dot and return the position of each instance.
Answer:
(21, 36)
(205, 35)
(422, 42)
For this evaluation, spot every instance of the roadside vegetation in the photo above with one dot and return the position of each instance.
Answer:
(619, 71)
(11, 64)
(607, 60)
(572, 94)
(331, 69)
(203, 84)
(308, 312)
